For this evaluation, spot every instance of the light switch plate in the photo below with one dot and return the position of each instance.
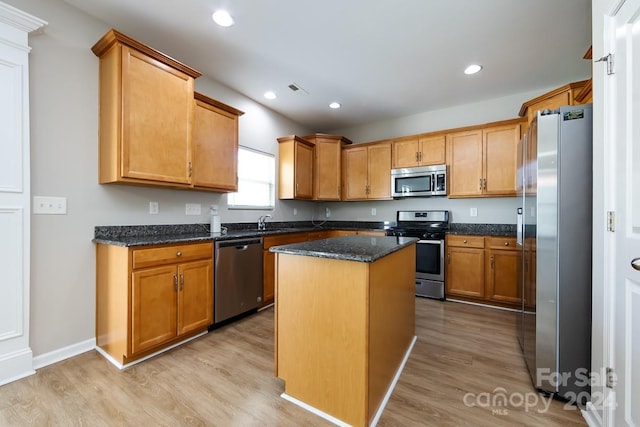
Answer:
(154, 208)
(473, 212)
(49, 205)
(373, 212)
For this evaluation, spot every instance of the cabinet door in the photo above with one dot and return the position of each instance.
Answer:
(432, 150)
(303, 171)
(465, 272)
(268, 277)
(502, 275)
(500, 159)
(464, 150)
(355, 173)
(379, 171)
(215, 143)
(406, 153)
(157, 117)
(153, 307)
(195, 295)
(327, 170)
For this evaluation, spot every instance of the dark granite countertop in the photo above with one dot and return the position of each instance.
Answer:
(144, 235)
(349, 248)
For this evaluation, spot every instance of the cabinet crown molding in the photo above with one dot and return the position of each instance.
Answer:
(570, 86)
(112, 36)
(290, 138)
(229, 109)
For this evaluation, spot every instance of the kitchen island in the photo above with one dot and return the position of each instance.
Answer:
(344, 323)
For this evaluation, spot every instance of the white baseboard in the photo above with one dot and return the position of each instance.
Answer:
(383, 404)
(16, 365)
(591, 416)
(61, 354)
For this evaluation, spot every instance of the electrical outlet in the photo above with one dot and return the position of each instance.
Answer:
(295, 211)
(154, 208)
(327, 212)
(473, 212)
(192, 209)
(373, 212)
(50, 205)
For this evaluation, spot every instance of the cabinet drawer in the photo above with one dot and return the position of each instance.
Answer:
(466, 241)
(148, 257)
(284, 239)
(504, 243)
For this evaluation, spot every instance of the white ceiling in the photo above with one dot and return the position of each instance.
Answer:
(379, 58)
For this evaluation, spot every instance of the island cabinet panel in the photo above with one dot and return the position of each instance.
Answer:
(150, 298)
(342, 330)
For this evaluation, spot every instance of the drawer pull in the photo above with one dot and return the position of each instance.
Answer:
(464, 241)
(506, 243)
(179, 253)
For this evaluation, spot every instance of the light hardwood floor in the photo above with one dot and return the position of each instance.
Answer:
(226, 379)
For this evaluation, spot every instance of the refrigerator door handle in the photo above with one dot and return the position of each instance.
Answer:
(519, 231)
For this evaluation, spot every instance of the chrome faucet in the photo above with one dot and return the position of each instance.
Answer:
(261, 222)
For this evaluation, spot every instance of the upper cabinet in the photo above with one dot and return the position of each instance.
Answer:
(419, 151)
(564, 95)
(146, 114)
(367, 172)
(327, 165)
(482, 162)
(295, 168)
(215, 145)
(146, 122)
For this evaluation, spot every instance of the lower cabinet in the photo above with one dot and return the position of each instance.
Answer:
(482, 269)
(269, 258)
(152, 297)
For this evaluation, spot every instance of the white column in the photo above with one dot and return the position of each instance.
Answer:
(15, 351)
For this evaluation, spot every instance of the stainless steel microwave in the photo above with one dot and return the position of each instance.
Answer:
(421, 181)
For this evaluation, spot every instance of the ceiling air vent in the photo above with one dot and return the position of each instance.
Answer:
(295, 87)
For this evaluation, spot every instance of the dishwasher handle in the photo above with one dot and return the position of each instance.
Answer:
(239, 244)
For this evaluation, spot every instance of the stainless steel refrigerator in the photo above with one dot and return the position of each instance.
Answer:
(554, 235)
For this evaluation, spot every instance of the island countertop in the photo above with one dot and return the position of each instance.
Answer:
(348, 248)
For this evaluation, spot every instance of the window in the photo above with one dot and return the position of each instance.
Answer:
(256, 176)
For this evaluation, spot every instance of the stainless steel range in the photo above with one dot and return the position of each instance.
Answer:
(430, 227)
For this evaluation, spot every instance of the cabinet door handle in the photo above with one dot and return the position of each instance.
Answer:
(480, 184)
(190, 169)
(181, 281)
(417, 156)
(484, 183)
(492, 262)
(448, 258)
(297, 187)
(420, 156)
(175, 282)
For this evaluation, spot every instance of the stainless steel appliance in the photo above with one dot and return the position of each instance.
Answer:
(419, 181)
(430, 227)
(555, 182)
(238, 277)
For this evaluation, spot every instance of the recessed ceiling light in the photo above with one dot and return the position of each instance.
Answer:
(335, 105)
(270, 95)
(472, 69)
(222, 18)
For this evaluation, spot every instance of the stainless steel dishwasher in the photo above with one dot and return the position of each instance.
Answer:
(237, 277)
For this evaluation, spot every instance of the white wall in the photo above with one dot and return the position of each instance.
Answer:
(64, 130)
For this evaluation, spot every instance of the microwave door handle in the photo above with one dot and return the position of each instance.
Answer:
(433, 183)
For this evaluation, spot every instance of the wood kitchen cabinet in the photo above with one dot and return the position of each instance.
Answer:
(295, 168)
(146, 114)
(367, 171)
(422, 150)
(569, 94)
(482, 162)
(269, 261)
(150, 298)
(215, 145)
(327, 165)
(501, 267)
(465, 266)
(483, 269)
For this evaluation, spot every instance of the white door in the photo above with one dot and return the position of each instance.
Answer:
(625, 124)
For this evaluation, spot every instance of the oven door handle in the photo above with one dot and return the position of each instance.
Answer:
(430, 242)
